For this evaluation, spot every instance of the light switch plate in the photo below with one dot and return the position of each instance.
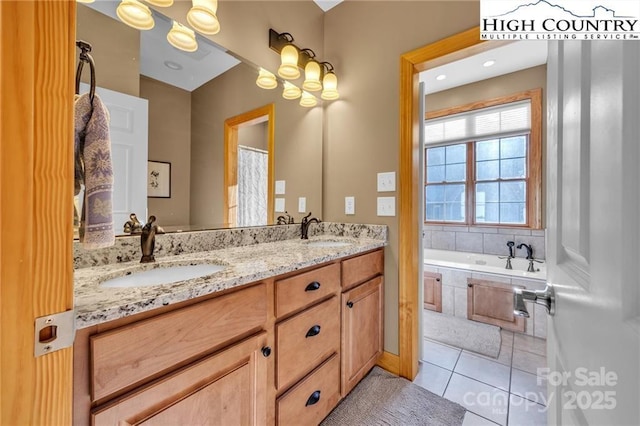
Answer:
(280, 187)
(279, 205)
(349, 205)
(386, 206)
(387, 182)
(302, 205)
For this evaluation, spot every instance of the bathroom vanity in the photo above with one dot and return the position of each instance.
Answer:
(278, 337)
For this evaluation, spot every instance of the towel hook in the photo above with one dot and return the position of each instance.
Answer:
(85, 48)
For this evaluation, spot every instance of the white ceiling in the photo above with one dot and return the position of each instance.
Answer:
(327, 4)
(197, 68)
(508, 58)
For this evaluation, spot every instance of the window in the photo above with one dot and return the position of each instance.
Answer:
(485, 166)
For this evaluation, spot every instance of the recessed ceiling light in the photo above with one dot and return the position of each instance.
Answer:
(441, 77)
(489, 63)
(173, 65)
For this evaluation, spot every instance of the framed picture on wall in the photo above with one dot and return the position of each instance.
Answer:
(158, 179)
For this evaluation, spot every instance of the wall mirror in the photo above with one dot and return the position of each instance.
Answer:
(188, 97)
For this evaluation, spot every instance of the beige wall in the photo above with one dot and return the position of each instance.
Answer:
(298, 143)
(170, 141)
(531, 78)
(116, 51)
(364, 40)
(254, 136)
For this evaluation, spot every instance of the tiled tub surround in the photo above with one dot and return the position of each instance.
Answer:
(127, 249)
(454, 284)
(244, 264)
(481, 239)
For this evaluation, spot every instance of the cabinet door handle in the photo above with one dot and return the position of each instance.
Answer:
(266, 351)
(313, 331)
(313, 399)
(438, 279)
(350, 304)
(313, 286)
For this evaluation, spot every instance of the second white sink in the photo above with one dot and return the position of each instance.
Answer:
(160, 276)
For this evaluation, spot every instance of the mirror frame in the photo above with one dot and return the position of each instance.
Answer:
(231, 126)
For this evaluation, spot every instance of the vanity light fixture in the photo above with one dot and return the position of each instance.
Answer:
(308, 100)
(202, 16)
(160, 3)
(329, 84)
(291, 91)
(266, 79)
(135, 14)
(441, 77)
(293, 59)
(489, 63)
(182, 38)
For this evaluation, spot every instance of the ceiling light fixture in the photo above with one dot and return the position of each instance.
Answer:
(202, 16)
(308, 100)
(160, 3)
(266, 79)
(173, 65)
(489, 63)
(291, 91)
(182, 38)
(441, 77)
(317, 74)
(135, 14)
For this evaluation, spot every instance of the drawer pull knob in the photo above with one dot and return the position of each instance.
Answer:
(313, 399)
(313, 331)
(313, 286)
(437, 279)
(350, 304)
(266, 351)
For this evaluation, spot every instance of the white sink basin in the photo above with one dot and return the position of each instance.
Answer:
(328, 243)
(160, 276)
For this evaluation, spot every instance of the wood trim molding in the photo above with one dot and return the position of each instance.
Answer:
(390, 362)
(36, 182)
(231, 126)
(410, 229)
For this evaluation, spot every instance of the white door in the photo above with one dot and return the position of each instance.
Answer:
(129, 132)
(593, 216)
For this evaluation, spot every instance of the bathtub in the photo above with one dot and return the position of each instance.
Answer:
(485, 263)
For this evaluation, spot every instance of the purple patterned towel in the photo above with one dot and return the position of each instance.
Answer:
(95, 171)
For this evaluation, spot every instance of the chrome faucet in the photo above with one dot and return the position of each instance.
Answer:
(304, 226)
(148, 240)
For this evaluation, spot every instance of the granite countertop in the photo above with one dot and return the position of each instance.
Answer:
(246, 264)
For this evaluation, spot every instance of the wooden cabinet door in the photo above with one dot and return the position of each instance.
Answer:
(362, 331)
(432, 291)
(227, 388)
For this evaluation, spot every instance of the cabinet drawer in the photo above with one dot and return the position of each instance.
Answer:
(306, 339)
(226, 388)
(302, 290)
(312, 399)
(138, 352)
(361, 268)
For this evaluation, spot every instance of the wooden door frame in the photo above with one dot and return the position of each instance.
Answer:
(458, 46)
(36, 207)
(231, 126)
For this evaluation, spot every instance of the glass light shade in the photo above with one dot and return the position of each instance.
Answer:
(308, 100)
(135, 14)
(266, 80)
(312, 77)
(290, 91)
(182, 38)
(289, 63)
(330, 87)
(160, 3)
(202, 16)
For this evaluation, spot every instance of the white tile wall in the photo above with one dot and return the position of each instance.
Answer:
(447, 300)
(460, 304)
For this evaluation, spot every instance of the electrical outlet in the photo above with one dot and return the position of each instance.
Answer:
(349, 205)
(387, 182)
(279, 205)
(302, 205)
(386, 206)
(280, 187)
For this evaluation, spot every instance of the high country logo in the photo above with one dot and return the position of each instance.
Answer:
(548, 19)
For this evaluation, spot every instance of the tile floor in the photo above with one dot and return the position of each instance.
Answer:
(503, 391)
